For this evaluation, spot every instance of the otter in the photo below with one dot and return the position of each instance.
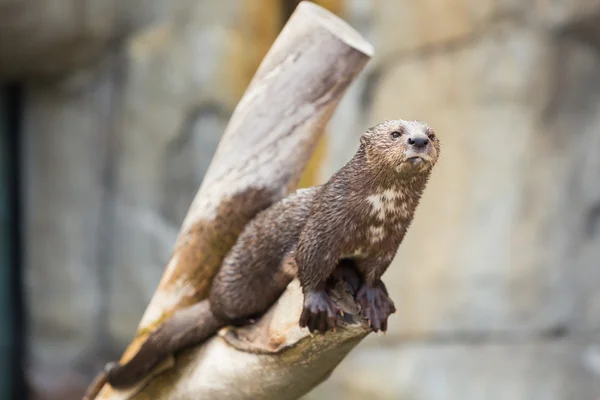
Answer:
(358, 218)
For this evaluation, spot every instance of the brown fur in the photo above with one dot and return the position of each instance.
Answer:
(360, 216)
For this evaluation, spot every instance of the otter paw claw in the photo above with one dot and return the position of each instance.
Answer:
(319, 312)
(376, 306)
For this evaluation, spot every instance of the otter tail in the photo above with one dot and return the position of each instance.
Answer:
(186, 328)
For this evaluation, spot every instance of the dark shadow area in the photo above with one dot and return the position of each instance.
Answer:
(12, 310)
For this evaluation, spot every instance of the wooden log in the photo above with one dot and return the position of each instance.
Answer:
(271, 360)
(266, 146)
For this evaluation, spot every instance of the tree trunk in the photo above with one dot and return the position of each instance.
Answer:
(265, 148)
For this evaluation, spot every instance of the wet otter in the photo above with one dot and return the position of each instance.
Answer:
(359, 218)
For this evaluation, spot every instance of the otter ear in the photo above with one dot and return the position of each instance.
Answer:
(365, 138)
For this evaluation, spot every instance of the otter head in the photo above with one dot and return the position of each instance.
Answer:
(401, 146)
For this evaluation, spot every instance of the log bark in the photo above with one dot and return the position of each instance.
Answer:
(265, 147)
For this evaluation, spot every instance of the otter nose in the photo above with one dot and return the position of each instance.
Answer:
(418, 142)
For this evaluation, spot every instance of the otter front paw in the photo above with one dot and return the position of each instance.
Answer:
(319, 312)
(376, 306)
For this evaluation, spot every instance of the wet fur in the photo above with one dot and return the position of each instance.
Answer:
(359, 218)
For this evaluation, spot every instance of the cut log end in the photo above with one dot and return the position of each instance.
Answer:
(337, 26)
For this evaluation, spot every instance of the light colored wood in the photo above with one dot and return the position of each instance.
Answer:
(273, 359)
(261, 156)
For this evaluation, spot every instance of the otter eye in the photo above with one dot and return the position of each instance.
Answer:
(396, 134)
(431, 135)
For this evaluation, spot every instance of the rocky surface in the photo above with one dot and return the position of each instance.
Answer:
(44, 39)
(536, 369)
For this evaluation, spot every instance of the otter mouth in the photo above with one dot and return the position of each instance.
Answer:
(412, 161)
(417, 159)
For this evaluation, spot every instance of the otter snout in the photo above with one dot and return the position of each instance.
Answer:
(418, 142)
(418, 149)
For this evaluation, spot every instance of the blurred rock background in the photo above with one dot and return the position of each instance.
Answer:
(111, 110)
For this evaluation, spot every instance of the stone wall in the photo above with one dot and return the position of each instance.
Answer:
(496, 282)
